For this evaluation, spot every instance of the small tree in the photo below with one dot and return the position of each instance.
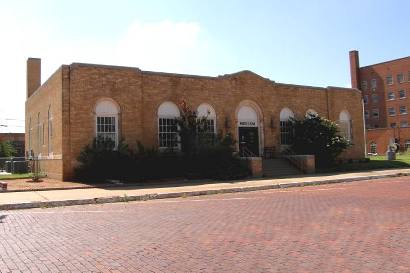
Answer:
(7, 149)
(320, 137)
(192, 131)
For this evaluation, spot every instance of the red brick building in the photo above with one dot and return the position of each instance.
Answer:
(82, 101)
(386, 89)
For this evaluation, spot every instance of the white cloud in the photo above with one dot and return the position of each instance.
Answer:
(169, 46)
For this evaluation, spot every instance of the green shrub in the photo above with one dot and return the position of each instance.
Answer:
(320, 137)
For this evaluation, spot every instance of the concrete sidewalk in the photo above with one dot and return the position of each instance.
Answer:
(52, 198)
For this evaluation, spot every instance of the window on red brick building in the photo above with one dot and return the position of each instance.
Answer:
(106, 121)
(366, 114)
(403, 110)
(392, 111)
(375, 113)
(393, 125)
(364, 85)
(402, 94)
(374, 84)
(373, 148)
(391, 96)
(404, 124)
(167, 126)
(375, 98)
(400, 78)
(389, 80)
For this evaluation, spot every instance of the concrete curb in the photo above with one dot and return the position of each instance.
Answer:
(153, 196)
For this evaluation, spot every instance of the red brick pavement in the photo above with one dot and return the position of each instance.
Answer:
(353, 227)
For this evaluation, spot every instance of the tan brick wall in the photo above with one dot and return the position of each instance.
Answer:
(49, 95)
(139, 94)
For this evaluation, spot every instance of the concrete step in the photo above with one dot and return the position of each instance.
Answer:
(278, 167)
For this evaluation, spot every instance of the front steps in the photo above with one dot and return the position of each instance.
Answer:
(278, 167)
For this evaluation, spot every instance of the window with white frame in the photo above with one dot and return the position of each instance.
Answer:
(207, 112)
(375, 98)
(366, 114)
(404, 124)
(345, 125)
(393, 125)
(375, 113)
(402, 94)
(365, 99)
(400, 78)
(364, 85)
(106, 121)
(167, 126)
(389, 80)
(373, 148)
(286, 128)
(391, 95)
(392, 111)
(403, 110)
(374, 84)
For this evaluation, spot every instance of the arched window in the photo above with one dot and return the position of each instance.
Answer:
(345, 125)
(373, 148)
(311, 113)
(30, 137)
(50, 131)
(208, 112)
(167, 127)
(38, 133)
(286, 130)
(106, 122)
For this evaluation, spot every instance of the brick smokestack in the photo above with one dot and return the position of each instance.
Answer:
(33, 75)
(354, 68)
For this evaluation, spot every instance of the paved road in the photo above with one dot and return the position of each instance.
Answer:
(353, 227)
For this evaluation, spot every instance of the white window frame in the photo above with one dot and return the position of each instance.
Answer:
(285, 126)
(400, 78)
(405, 110)
(404, 124)
(404, 92)
(169, 107)
(210, 117)
(373, 148)
(364, 85)
(373, 84)
(389, 80)
(109, 113)
(391, 95)
(391, 111)
(393, 125)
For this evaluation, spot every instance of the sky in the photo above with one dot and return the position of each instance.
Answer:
(297, 42)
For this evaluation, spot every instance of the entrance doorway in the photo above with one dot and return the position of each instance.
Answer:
(248, 132)
(248, 141)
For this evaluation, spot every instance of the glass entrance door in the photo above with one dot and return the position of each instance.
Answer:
(248, 140)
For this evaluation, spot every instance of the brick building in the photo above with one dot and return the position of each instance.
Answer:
(385, 88)
(16, 139)
(82, 101)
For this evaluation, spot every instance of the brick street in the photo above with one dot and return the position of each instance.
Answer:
(350, 227)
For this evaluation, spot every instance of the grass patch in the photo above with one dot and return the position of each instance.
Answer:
(376, 162)
(15, 176)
